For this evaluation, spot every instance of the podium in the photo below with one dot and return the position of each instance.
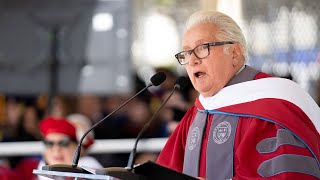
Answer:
(69, 175)
(145, 171)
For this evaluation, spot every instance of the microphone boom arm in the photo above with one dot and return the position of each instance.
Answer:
(78, 150)
(134, 150)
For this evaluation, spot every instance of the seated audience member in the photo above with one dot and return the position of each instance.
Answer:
(6, 173)
(60, 142)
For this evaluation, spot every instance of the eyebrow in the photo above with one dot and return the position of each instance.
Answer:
(198, 42)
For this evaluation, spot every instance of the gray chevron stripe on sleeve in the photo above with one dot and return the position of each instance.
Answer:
(283, 137)
(289, 163)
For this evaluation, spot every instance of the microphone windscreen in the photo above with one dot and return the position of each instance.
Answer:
(181, 82)
(158, 78)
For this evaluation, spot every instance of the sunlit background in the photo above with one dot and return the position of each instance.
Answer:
(96, 46)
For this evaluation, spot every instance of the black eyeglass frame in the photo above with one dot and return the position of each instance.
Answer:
(205, 44)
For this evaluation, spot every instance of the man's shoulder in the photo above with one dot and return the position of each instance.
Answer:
(262, 75)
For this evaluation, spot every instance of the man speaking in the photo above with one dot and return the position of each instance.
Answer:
(245, 123)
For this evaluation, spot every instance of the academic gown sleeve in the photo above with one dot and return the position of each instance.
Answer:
(251, 151)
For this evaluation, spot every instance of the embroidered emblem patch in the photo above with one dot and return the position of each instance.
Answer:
(222, 132)
(195, 136)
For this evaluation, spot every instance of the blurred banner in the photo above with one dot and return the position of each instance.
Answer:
(65, 47)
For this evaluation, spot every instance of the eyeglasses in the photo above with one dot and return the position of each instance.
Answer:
(200, 51)
(62, 143)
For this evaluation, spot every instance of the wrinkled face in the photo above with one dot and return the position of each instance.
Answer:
(59, 149)
(210, 74)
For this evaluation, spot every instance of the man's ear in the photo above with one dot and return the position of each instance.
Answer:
(236, 55)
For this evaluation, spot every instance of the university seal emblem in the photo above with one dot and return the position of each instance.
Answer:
(222, 132)
(195, 136)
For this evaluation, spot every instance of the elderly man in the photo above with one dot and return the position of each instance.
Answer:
(245, 123)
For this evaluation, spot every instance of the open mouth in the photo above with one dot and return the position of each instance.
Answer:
(199, 74)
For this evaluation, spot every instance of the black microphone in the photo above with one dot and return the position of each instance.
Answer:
(156, 80)
(180, 83)
(128, 173)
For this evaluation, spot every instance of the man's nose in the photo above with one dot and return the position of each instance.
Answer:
(194, 60)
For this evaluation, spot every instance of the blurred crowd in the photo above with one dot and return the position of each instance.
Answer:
(21, 116)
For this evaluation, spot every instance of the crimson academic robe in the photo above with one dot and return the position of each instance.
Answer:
(259, 120)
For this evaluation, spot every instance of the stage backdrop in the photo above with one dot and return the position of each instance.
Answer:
(65, 47)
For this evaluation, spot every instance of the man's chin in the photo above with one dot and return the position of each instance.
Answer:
(207, 93)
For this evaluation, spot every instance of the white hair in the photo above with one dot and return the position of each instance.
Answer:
(228, 28)
(85, 125)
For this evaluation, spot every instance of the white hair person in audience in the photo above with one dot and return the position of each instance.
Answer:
(82, 125)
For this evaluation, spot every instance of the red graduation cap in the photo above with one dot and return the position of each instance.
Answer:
(57, 125)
